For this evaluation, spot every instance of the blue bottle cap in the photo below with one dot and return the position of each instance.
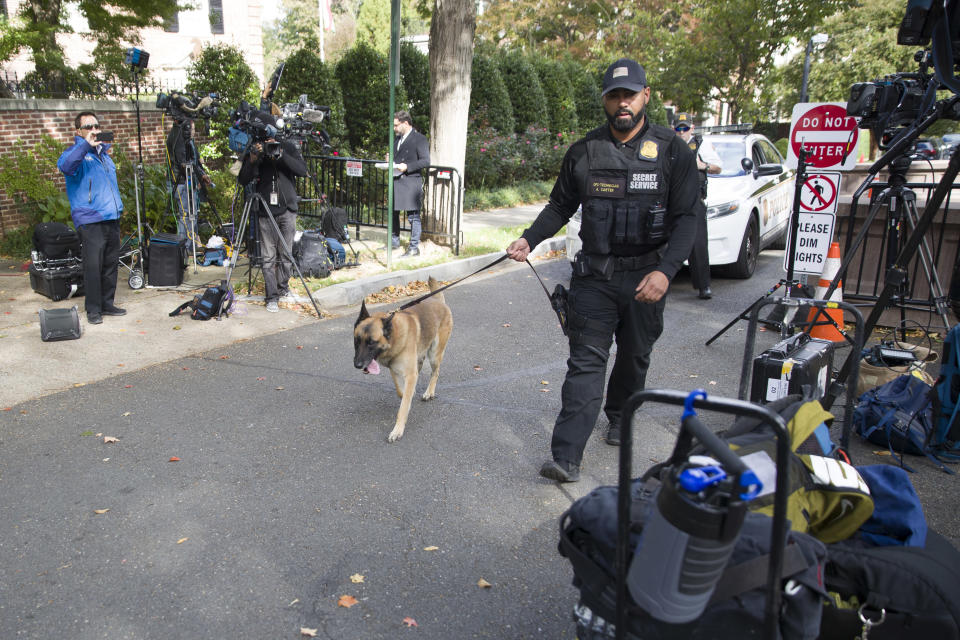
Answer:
(697, 479)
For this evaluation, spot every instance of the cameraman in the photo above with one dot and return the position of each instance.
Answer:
(182, 153)
(275, 165)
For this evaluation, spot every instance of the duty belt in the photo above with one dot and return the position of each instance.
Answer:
(633, 263)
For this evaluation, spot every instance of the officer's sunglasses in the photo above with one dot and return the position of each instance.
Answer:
(681, 129)
(90, 127)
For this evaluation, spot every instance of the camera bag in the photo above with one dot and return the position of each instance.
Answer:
(59, 282)
(212, 303)
(56, 240)
(59, 324)
(313, 255)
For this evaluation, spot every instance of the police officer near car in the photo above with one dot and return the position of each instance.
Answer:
(707, 162)
(637, 184)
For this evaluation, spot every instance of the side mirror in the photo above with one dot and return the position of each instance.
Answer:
(747, 165)
(768, 170)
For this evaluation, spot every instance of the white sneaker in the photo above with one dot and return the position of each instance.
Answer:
(273, 307)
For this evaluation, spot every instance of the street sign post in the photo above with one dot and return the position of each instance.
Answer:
(827, 133)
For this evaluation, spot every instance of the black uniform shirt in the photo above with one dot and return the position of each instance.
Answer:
(683, 195)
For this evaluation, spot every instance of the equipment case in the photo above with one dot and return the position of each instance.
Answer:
(789, 365)
(57, 283)
(166, 260)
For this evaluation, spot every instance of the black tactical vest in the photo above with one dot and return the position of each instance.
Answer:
(694, 145)
(625, 200)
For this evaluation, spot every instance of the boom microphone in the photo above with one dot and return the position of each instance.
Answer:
(313, 115)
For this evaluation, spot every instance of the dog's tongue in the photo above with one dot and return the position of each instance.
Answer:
(373, 368)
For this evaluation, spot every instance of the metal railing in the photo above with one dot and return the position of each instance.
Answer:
(87, 88)
(360, 188)
(866, 273)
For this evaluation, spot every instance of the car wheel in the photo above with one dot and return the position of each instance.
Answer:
(746, 262)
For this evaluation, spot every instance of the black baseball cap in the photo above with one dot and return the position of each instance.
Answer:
(683, 120)
(624, 74)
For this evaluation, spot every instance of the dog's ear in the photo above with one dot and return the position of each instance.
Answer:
(364, 314)
(387, 327)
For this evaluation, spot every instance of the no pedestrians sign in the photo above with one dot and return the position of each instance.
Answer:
(826, 132)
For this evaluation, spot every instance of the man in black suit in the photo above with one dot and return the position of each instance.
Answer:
(412, 154)
(275, 165)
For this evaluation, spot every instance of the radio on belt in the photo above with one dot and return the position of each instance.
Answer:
(788, 366)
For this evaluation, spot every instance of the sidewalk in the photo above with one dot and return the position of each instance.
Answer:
(147, 335)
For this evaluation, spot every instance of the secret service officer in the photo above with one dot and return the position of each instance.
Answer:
(637, 184)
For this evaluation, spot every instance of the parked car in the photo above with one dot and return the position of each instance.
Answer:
(948, 144)
(925, 149)
(748, 203)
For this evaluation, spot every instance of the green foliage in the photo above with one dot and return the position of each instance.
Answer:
(586, 94)
(496, 160)
(365, 84)
(157, 203)
(373, 24)
(655, 110)
(25, 171)
(481, 199)
(305, 73)
(782, 145)
(862, 47)
(524, 88)
(113, 25)
(220, 68)
(54, 208)
(489, 101)
(17, 243)
(415, 71)
(560, 99)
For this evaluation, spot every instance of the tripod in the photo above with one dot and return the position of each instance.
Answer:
(256, 198)
(901, 204)
(789, 281)
(187, 202)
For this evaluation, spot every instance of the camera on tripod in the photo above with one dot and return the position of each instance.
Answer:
(892, 101)
(182, 106)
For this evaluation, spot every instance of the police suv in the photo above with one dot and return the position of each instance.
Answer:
(748, 202)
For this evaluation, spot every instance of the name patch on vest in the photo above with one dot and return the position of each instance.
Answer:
(607, 186)
(644, 181)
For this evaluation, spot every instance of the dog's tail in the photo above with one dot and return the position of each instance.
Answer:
(434, 285)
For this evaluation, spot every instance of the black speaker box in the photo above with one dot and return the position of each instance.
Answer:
(165, 260)
(59, 324)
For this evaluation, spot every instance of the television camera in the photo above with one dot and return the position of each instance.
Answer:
(297, 122)
(183, 106)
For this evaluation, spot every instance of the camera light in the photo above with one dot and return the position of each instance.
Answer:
(137, 58)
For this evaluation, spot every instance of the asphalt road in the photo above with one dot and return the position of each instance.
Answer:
(286, 490)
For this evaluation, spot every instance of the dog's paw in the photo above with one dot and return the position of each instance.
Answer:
(395, 435)
(428, 396)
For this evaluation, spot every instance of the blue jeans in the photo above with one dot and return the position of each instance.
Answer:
(413, 217)
(337, 252)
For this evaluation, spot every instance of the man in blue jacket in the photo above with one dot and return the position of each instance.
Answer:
(95, 206)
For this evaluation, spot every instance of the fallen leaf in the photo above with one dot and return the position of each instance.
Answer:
(182, 540)
(544, 382)
(261, 378)
(174, 459)
(346, 601)
(279, 388)
(505, 324)
(85, 433)
(694, 375)
(185, 368)
(483, 584)
(431, 548)
(100, 511)
(109, 439)
(99, 435)
(79, 384)
(128, 386)
(125, 414)
(224, 357)
(881, 453)
(356, 578)
(176, 327)
(543, 390)
(120, 364)
(299, 346)
(478, 368)
(310, 633)
(8, 408)
(410, 622)
(23, 411)
(713, 382)
(293, 602)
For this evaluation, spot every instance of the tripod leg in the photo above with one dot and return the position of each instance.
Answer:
(745, 314)
(926, 261)
(288, 253)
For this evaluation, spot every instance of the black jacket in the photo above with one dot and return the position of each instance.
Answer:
(276, 176)
(182, 151)
(683, 194)
(408, 186)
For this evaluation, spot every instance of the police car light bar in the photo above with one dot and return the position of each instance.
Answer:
(728, 128)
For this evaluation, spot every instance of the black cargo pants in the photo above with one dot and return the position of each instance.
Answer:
(600, 311)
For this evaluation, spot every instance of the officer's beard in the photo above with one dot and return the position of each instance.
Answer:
(621, 124)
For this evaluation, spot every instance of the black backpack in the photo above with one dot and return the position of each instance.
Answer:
(313, 255)
(333, 224)
(212, 303)
(54, 240)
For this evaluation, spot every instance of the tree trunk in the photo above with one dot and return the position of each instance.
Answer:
(451, 57)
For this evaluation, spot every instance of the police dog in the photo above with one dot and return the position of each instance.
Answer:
(400, 341)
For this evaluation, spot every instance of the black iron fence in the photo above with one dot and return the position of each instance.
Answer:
(29, 87)
(929, 272)
(360, 187)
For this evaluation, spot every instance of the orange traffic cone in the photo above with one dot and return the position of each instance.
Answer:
(823, 329)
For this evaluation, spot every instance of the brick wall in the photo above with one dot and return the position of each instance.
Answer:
(22, 122)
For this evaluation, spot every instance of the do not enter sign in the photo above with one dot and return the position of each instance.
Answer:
(827, 133)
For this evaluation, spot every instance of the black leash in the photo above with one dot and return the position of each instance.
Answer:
(447, 286)
(558, 300)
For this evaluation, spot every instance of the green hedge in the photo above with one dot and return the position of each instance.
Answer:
(586, 95)
(365, 82)
(415, 71)
(489, 101)
(306, 73)
(525, 91)
(561, 103)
